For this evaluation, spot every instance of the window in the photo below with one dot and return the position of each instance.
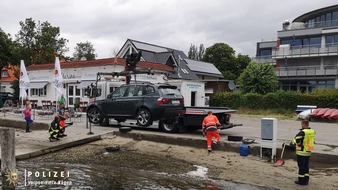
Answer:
(315, 42)
(329, 41)
(328, 19)
(336, 39)
(39, 91)
(120, 91)
(265, 52)
(305, 43)
(334, 19)
(131, 91)
(4, 73)
(150, 90)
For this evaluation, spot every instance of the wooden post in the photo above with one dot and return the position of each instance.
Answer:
(8, 165)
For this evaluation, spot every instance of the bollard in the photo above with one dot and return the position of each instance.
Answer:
(8, 172)
(90, 127)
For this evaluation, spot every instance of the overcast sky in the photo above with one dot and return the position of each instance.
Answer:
(176, 24)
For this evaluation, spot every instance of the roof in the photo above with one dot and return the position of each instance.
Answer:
(310, 15)
(10, 70)
(100, 62)
(203, 68)
(179, 60)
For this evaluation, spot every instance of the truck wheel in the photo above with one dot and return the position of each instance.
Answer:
(94, 116)
(168, 127)
(144, 118)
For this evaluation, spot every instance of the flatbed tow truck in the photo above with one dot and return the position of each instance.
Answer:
(191, 118)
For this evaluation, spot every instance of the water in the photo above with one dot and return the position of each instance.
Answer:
(78, 176)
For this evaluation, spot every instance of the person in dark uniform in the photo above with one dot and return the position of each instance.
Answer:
(54, 129)
(304, 144)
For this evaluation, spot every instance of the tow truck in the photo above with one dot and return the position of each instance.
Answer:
(191, 118)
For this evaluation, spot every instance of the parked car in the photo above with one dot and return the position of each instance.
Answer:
(145, 102)
(8, 96)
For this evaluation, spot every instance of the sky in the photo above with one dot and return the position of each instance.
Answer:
(176, 24)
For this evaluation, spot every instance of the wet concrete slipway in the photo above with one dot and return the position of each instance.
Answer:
(36, 143)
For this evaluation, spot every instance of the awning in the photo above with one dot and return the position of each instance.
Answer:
(85, 84)
(37, 85)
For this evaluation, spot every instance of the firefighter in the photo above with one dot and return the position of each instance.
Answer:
(304, 143)
(209, 129)
(54, 129)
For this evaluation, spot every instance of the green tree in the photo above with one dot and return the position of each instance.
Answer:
(40, 42)
(258, 78)
(223, 57)
(6, 50)
(196, 54)
(84, 50)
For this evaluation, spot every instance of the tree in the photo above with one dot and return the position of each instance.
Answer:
(6, 50)
(84, 50)
(196, 54)
(40, 42)
(224, 58)
(258, 78)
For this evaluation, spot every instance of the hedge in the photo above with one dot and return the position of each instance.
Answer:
(289, 100)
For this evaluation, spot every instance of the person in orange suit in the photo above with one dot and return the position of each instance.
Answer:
(209, 129)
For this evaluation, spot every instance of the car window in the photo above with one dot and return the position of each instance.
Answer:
(120, 92)
(139, 91)
(131, 91)
(149, 90)
(169, 91)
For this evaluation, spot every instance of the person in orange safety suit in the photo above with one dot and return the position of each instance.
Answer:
(209, 129)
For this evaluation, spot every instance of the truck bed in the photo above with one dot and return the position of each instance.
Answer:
(204, 110)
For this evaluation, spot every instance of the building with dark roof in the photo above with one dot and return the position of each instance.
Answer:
(305, 53)
(184, 69)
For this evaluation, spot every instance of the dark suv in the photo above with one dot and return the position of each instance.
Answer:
(8, 96)
(145, 102)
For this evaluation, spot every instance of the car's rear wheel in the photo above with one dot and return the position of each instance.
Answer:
(144, 118)
(168, 127)
(94, 116)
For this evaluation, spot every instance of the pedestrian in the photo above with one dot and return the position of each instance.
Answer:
(209, 129)
(304, 143)
(54, 129)
(62, 100)
(61, 113)
(28, 116)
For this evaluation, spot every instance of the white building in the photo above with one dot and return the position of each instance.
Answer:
(77, 75)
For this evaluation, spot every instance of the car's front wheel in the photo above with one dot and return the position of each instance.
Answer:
(94, 116)
(144, 118)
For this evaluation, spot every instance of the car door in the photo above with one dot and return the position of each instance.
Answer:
(132, 100)
(114, 102)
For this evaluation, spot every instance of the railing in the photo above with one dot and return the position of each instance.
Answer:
(308, 51)
(306, 71)
(308, 25)
(297, 52)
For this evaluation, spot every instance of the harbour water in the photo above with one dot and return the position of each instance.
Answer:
(78, 176)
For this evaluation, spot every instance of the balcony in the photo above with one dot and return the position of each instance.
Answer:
(303, 51)
(286, 51)
(306, 72)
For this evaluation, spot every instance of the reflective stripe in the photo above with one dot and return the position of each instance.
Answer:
(211, 128)
(301, 175)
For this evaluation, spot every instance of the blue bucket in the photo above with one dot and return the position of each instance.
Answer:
(244, 150)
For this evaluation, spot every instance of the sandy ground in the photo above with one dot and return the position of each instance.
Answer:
(180, 159)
